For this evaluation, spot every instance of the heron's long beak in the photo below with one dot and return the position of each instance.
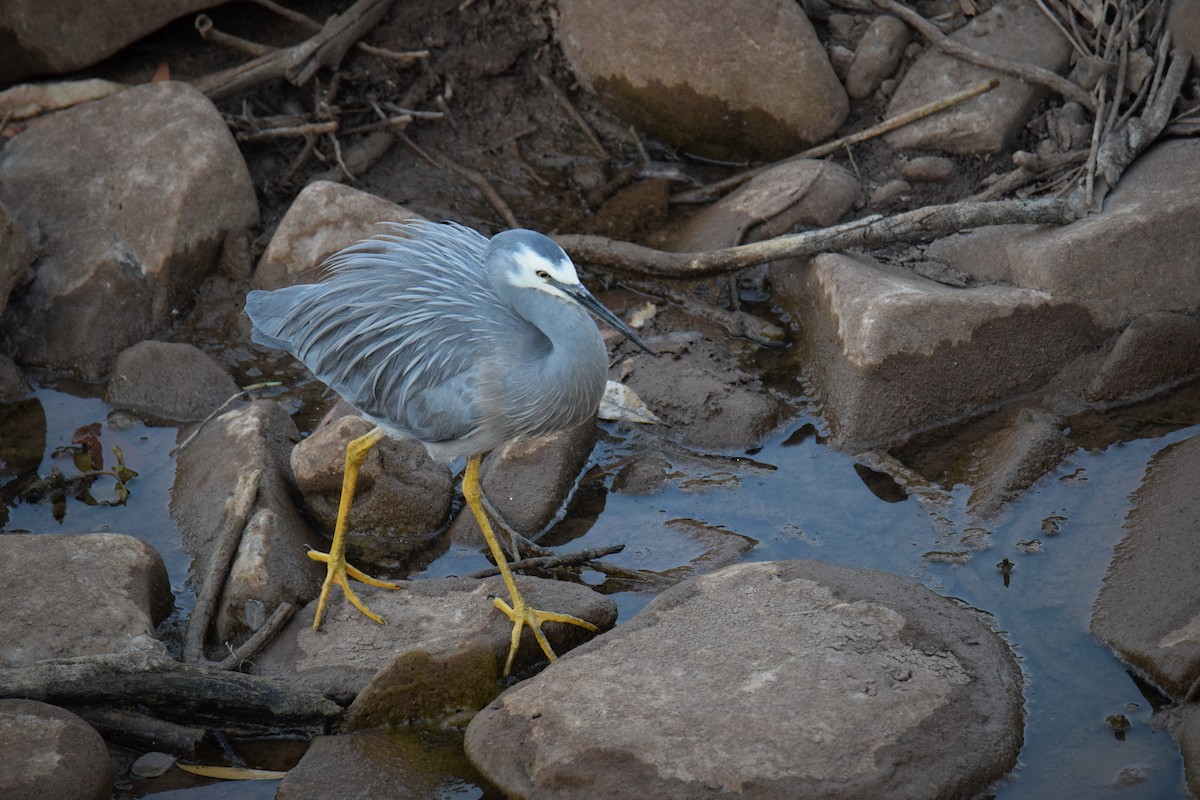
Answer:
(589, 301)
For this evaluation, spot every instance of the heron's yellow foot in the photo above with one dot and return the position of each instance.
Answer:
(338, 570)
(522, 614)
(337, 573)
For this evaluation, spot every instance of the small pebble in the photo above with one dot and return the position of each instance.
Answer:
(926, 169)
(151, 765)
(878, 54)
(891, 191)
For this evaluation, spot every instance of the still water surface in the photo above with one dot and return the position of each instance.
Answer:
(798, 498)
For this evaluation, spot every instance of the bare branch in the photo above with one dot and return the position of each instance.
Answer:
(873, 231)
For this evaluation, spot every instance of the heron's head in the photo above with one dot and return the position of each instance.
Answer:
(529, 260)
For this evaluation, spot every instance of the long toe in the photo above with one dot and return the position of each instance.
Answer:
(524, 614)
(338, 572)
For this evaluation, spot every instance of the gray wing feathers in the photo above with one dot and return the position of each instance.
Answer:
(397, 327)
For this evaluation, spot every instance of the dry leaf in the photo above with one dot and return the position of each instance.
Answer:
(232, 773)
(31, 99)
(620, 403)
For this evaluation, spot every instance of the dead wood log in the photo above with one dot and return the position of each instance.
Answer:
(146, 677)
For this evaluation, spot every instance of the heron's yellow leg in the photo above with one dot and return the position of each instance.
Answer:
(521, 613)
(337, 568)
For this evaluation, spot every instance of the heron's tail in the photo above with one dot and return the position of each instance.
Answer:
(269, 312)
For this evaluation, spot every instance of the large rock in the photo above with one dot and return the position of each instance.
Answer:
(441, 650)
(1135, 257)
(797, 193)
(1012, 29)
(131, 198)
(1183, 22)
(527, 482)
(323, 219)
(271, 565)
(169, 380)
(67, 595)
(41, 38)
(896, 353)
(721, 78)
(51, 753)
(1149, 606)
(787, 679)
(400, 503)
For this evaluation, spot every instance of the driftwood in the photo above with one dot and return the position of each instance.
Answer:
(872, 231)
(145, 677)
(300, 62)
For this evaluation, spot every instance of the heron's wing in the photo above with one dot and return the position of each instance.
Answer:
(401, 328)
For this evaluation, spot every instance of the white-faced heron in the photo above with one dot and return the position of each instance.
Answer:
(438, 334)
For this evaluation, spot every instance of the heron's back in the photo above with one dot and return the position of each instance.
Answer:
(413, 333)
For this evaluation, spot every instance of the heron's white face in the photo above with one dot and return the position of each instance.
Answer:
(535, 271)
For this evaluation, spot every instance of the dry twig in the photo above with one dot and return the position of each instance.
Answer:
(581, 558)
(229, 538)
(712, 191)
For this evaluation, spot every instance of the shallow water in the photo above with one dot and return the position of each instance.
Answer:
(799, 498)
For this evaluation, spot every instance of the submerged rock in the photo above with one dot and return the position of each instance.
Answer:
(1147, 607)
(784, 679)
(395, 764)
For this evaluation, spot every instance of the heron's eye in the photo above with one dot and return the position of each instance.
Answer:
(541, 273)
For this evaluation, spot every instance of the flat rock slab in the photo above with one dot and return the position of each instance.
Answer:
(51, 753)
(77, 595)
(428, 622)
(1149, 606)
(778, 679)
(896, 353)
(1135, 257)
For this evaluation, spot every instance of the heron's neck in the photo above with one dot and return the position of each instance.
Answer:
(574, 362)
